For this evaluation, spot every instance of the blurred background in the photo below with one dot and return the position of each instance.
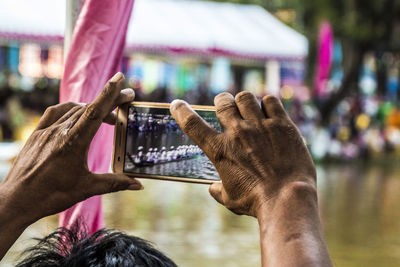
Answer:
(334, 63)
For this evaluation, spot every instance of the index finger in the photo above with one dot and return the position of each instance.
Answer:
(96, 111)
(193, 125)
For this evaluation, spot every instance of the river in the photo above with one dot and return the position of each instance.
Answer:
(359, 205)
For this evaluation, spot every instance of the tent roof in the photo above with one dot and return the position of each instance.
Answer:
(170, 26)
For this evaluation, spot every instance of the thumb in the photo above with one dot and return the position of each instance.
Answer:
(215, 190)
(113, 182)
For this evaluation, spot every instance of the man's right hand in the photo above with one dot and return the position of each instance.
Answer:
(266, 172)
(259, 156)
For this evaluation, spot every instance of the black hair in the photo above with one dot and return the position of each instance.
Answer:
(76, 247)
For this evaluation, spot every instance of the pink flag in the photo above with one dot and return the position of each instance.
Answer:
(325, 55)
(94, 56)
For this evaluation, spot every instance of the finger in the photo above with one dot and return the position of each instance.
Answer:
(193, 125)
(53, 113)
(125, 96)
(72, 119)
(273, 108)
(70, 122)
(215, 190)
(226, 110)
(70, 113)
(113, 182)
(248, 106)
(95, 112)
(111, 118)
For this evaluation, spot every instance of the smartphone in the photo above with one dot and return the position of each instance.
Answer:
(148, 143)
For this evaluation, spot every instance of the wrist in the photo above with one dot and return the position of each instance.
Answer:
(290, 227)
(293, 197)
(12, 213)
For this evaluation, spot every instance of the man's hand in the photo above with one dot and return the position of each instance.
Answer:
(51, 174)
(260, 153)
(266, 172)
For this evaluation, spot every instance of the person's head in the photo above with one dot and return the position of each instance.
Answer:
(76, 247)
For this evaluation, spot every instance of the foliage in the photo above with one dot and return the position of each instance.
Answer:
(361, 25)
(369, 23)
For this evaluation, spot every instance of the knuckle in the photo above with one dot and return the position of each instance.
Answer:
(50, 110)
(92, 112)
(70, 104)
(235, 129)
(222, 107)
(250, 150)
(74, 109)
(218, 148)
(111, 85)
(244, 97)
(271, 123)
(109, 89)
(190, 122)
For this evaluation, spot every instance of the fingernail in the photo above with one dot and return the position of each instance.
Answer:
(176, 103)
(130, 93)
(118, 76)
(136, 187)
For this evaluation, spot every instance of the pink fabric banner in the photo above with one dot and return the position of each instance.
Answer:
(94, 56)
(325, 56)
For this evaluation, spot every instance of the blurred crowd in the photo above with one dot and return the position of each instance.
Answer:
(360, 127)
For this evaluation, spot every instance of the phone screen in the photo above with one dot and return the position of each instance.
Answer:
(155, 145)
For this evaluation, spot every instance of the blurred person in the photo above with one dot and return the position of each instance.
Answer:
(159, 94)
(266, 172)
(76, 247)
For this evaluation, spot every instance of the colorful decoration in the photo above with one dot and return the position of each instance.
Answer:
(13, 57)
(325, 52)
(55, 65)
(30, 61)
(91, 61)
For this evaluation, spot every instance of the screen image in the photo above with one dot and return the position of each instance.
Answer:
(155, 145)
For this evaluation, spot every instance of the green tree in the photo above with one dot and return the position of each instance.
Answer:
(361, 25)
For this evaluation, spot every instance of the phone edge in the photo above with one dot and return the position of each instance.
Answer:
(117, 167)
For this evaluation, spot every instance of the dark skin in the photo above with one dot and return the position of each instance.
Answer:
(265, 169)
(266, 172)
(51, 174)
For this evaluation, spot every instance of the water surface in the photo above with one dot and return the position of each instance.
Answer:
(359, 205)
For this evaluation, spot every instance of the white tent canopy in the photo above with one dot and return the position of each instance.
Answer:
(167, 25)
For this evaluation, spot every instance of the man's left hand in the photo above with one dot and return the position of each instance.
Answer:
(51, 174)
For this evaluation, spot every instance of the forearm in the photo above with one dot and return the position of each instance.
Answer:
(13, 222)
(290, 230)
(9, 233)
